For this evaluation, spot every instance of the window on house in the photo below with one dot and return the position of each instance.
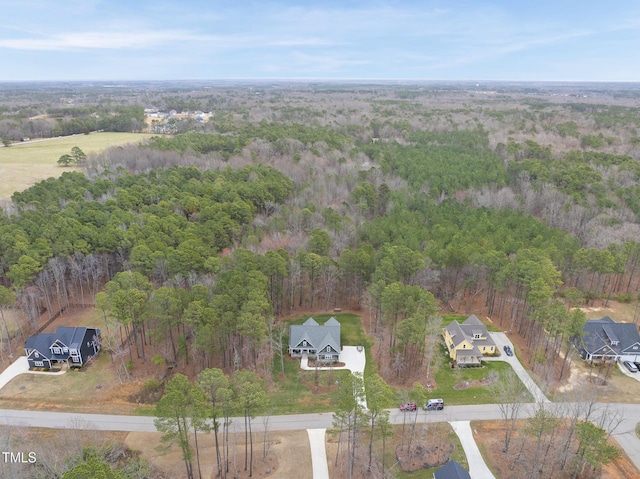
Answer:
(65, 350)
(304, 343)
(476, 336)
(57, 350)
(464, 346)
(39, 364)
(36, 355)
(75, 359)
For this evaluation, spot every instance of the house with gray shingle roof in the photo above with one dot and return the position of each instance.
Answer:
(315, 340)
(468, 342)
(451, 470)
(604, 339)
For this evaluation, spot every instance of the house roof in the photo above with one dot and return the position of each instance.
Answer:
(451, 470)
(66, 335)
(316, 335)
(603, 333)
(473, 320)
(466, 331)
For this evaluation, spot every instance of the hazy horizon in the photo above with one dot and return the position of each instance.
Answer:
(481, 41)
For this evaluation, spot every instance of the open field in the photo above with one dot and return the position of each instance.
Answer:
(24, 164)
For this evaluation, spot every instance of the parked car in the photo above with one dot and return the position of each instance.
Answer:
(637, 364)
(507, 349)
(434, 405)
(630, 366)
(410, 406)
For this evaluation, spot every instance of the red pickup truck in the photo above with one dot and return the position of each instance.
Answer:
(408, 407)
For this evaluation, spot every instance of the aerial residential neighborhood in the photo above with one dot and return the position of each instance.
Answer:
(320, 240)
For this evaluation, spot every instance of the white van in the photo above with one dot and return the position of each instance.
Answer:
(434, 405)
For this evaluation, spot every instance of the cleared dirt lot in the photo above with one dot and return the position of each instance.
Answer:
(289, 455)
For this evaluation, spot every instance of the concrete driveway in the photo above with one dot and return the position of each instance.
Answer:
(318, 453)
(477, 467)
(501, 340)
(628, 373)
(21, 366)
(353, 360)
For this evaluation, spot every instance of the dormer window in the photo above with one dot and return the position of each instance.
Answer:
(477, 336)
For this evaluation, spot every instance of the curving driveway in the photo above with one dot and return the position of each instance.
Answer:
(20, 366)
(502, 340)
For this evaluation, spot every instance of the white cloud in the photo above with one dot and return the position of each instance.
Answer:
(99, 40)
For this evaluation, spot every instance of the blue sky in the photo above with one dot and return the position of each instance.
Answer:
(561, 40)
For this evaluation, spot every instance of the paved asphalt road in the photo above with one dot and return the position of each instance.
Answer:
(621, 418)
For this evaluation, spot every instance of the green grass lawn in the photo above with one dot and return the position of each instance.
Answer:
(447, 378)
(295, 392)
(351, 334)
(24, 164)
(73, 390)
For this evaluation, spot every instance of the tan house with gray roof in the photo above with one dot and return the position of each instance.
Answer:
(468, 342)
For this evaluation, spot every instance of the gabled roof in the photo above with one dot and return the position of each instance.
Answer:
(40, 343)
(466, 331)
(473, 320)
(68, 336)
(599, 333)
(317, 336)
(451, 470)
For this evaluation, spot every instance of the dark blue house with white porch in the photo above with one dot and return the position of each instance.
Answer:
(72, 345)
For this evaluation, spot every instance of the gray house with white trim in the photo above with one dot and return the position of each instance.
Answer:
(315, 340)
(605, 340)
(72, 345)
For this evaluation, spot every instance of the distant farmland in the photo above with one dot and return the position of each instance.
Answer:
(24, 164)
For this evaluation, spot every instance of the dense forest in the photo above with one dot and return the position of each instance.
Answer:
(314, 198)
(406, 202)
